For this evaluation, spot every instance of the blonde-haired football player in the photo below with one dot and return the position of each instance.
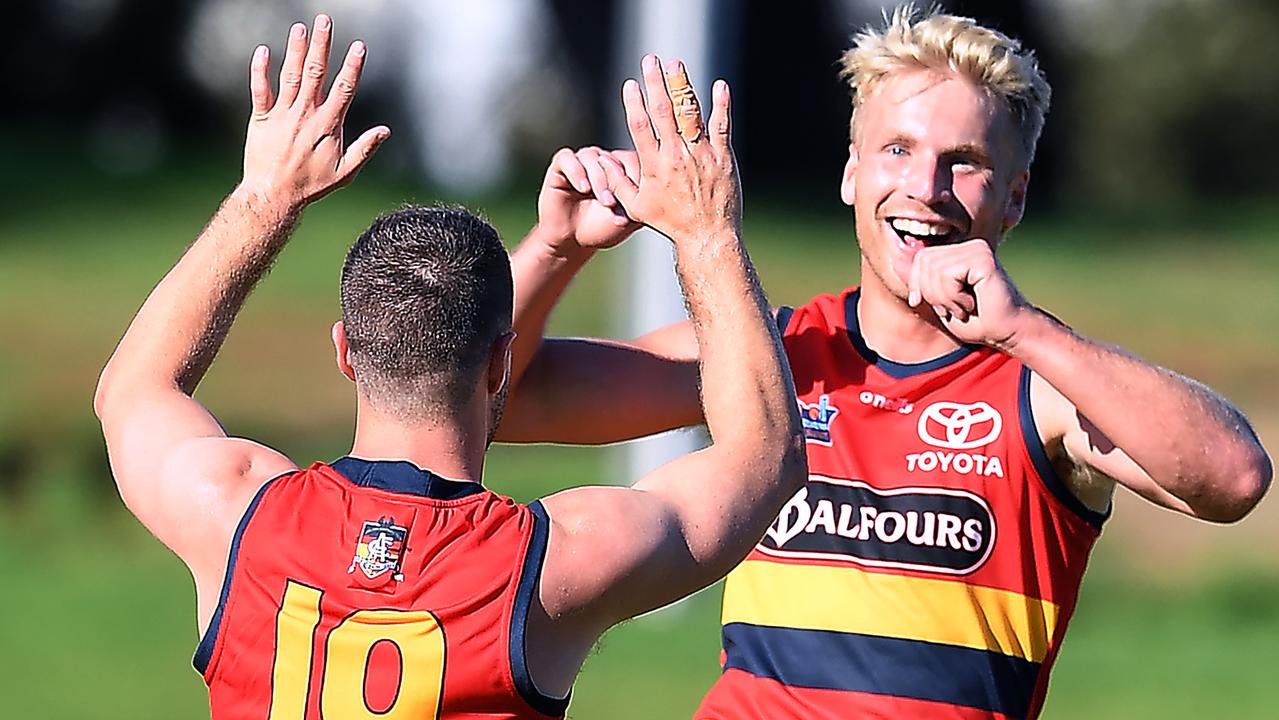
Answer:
(963, 444)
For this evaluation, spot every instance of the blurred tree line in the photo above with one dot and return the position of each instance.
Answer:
(1157, 103)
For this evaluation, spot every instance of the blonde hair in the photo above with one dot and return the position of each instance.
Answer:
(942, 43)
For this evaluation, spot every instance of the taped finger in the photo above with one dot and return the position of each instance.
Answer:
(688, 111)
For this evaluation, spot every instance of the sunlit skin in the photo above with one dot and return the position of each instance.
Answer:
(931, 148)
(937, 176)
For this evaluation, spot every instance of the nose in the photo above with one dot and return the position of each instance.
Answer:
(928, 180)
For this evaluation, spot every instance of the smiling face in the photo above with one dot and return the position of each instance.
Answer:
(934, 161)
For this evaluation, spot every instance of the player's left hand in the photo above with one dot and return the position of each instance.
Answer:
(970, 292)
(294, 152)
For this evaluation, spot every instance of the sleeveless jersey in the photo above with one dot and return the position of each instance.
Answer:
(929, 567)
(376, 589)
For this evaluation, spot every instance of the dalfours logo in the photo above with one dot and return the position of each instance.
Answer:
(378, 552)
(929, 529)
(817, 419)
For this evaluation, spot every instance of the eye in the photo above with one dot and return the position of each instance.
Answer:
(896, 150)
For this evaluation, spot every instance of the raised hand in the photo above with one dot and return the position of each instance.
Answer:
(576, 210)
(294, 152)
(970, 292)
(687, 187)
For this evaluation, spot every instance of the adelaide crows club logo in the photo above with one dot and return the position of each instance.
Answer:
(378, 553)
(817, 418)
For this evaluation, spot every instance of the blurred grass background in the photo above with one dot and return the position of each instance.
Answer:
(1177, 619)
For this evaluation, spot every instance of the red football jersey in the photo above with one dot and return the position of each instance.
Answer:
(931, 564)
(376, 589)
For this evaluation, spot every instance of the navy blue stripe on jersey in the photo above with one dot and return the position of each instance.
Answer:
(204, 651)
(896, 370)
(1043, 466)
(783, 317)
(915, 669)
(528, 585)
(402, 476)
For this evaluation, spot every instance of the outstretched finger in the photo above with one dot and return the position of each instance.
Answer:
(660, 107)
(360, 151)
(721, 117)
(343, 90)
(259, 82)
(291, 70)
(317, 61)
(623, 188)
(637, 120)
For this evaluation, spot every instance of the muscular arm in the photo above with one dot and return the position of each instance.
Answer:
(1106, 415)
(175, 467)
(590, 391)
(577, 215)
(616, 552)
(577, 390)
(149, 419)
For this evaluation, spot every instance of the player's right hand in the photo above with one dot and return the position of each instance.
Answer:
(687, 189)
(575, 208)
(294, 151)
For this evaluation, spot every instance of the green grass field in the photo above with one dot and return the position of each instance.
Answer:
(97, 621)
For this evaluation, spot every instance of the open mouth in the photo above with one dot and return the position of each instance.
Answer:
(918, 234)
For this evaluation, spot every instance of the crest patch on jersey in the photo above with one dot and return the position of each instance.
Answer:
(816, 419)
(378, 552)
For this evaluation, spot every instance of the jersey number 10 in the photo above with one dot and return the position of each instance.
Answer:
(346, 652)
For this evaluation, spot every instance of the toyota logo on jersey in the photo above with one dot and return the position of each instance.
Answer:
(956, 426)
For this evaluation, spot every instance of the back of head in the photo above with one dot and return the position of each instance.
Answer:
(425, 294)
(947, 44)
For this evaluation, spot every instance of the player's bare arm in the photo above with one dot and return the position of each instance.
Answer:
(1105, 416)
(577, 215)
(616, 552)
(176, 468)
(552, 379)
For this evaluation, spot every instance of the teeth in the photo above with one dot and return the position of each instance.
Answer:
(919, 229)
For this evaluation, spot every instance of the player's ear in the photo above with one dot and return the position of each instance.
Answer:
(499, 367)
(1016, 205)
(848, 183)
(342, 350)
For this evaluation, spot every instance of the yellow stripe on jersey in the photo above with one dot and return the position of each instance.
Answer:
(850, 600)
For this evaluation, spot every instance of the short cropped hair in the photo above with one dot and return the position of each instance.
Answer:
(426, 292)
(991, 60)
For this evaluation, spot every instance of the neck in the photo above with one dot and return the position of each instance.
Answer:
(894, 329)
(451, 447)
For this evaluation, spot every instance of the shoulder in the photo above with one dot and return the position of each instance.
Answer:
(211, 482)
(822, 310)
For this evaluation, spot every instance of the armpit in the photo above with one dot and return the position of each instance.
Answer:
(1074, 457)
